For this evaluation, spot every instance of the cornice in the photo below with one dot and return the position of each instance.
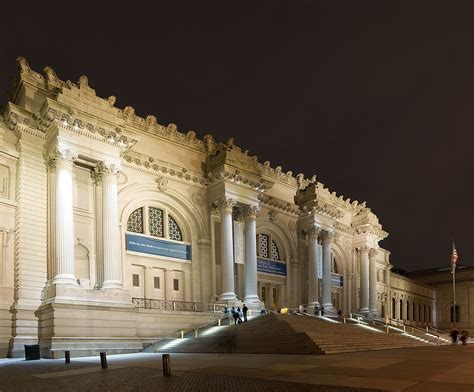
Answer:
(279, 204)
(150, 166)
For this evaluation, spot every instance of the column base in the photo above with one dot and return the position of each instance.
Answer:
(229, 296)
(251, 299)
(310, 308)
(111, 284)
(65, 279)
(364, 311)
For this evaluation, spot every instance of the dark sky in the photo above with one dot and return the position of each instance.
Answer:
(374, 97)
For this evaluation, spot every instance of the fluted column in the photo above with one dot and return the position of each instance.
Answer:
(373, 281)
(251, 293)
(64, 268)
(110, 226)
(313, 287)
(364, 279)
(227, 256)
(327, 238)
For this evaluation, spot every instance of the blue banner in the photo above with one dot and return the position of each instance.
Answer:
(157, 247)
(271, 267)
(337, 280)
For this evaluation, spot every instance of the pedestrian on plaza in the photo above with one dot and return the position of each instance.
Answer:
(235, 314)
(245, 310)
(464, 336)
(317, 309)
(240, 315)
(322, 310)
(454, 336)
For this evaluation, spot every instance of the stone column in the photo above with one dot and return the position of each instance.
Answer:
(169, 285)
(327, 238)
(63, 212)
(364, 279)
(227, 255)
(110, 228)
(373, 281)
(313, 288)
(251, 293)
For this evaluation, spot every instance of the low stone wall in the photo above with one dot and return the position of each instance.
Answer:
(86, 328)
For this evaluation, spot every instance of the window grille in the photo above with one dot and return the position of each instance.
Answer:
(175, 284)
(135, 221)
(155, 221)
(136, 280)
(156, 282)
(275, 252)
(263, 245)
(174, 230)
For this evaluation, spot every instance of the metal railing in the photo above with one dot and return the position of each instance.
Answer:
(176, 306)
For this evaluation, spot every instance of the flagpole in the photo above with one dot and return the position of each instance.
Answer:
(454, 295)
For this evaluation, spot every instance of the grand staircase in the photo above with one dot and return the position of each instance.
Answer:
(336, 337)
(261, 335)
(289, 334)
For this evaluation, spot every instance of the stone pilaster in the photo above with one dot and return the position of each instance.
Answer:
(373, 281)
(250, 217)
(364, 279)
(110, 227)
(227, 257)
(327, 238)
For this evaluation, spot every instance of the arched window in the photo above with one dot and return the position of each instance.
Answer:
(401, 310)
(454, 312)
(414, 311)
(408, 310)
(135, 221)
(393, 308)
(429, 313)
(154, 222)
(267, 247)
(174, 230)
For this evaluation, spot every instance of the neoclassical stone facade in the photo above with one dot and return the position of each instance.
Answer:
(99, 205)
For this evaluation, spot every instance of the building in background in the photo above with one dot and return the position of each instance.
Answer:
(99, 205)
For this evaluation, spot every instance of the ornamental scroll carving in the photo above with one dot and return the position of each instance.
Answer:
(226, 203)
(251, 210)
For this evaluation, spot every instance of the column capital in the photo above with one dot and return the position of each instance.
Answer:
(226, 203)
(327, 236)
(108, 168)
(313, 232)
(61, 156)
(373, 252)
(251, 211)
(365, 248)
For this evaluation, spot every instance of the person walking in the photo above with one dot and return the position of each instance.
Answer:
(239, 315)
(235, 314)
(464, 336)
(245, 310)
(454, 336)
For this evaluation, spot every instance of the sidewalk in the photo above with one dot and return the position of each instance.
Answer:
(445, 368)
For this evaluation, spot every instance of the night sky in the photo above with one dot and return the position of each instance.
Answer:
(374, 97)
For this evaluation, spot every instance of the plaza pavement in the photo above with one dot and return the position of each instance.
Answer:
(444, 368)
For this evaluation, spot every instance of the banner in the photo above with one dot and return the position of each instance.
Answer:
(337, 280)
(271, 267)
(157, 247)
(239, 242)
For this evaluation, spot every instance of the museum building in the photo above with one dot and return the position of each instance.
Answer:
(103, 211)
